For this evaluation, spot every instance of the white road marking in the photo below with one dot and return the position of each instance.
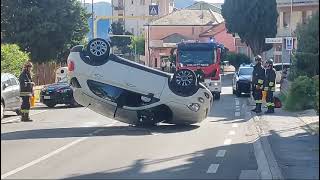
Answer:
(51, 154)
(221, 153)
(42, 158)
(237, 108)
(237, 114)
(213, 168)
(227, 142)
(90, 124)
(237, 103)
(235, 125)
(232, 132)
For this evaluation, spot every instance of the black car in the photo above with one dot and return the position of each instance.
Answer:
(57, 93)
(241, 82)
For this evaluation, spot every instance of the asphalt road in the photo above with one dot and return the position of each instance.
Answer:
(65, 143)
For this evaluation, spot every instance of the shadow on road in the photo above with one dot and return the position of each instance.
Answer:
(89, 131)
(289, 162)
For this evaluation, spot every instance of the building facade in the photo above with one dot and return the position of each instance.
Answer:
(286, 27)
(139, 11)
(191, 23)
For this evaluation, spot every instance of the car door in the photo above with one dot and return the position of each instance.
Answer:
(146, 81)
(15, 90)
(7, 92)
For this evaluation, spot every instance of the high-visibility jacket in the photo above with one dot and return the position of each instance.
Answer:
(258, 76)
(270, 82)
(26, 87)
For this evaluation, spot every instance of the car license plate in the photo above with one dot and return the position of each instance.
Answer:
(46, 97)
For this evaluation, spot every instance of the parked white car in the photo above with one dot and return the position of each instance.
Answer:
(133, 93)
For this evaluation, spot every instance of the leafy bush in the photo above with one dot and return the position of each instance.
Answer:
(12, 59)
(316, 84)
(301, 94)
(237, 59)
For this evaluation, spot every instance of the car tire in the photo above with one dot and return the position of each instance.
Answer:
(2, 110)
(50, 104)
(98, 50)
(184, 82)
(217, 96)
(238, 92)
(18, 112)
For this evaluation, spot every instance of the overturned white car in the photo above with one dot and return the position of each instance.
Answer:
(134, 93)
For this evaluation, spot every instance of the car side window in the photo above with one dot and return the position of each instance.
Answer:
(116, 94)
(13, 81)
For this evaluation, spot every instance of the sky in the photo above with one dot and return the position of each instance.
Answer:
(210, 1)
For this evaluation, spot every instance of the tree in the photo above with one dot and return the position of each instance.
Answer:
(122, 43)
(252, 20)
(138, 44)
(306, 59)
(46, 29)
(12, 59)
(236, 59)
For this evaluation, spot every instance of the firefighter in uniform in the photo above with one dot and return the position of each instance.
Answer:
(269, 85)
(258, 77)
(26, 91)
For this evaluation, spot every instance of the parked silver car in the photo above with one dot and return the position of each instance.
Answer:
(10, 94)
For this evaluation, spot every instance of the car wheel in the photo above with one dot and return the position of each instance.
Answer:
(18, 112)
(2, 110)
(184, 82)
(98, 49)
(217, 96)
(238, 92)
(51, 104)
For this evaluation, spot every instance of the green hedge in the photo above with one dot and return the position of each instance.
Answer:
(301, 94)
(316, 84)
(12, 59)
(236, 59)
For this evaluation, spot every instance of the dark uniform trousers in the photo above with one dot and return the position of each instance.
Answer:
(270, 88)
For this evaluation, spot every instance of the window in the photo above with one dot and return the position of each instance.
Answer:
(242, 50)
(202, 57)
(120, 96)
(131, 1)
(286, 19)
(245, 71)
(304, 17)
(13, 81)
(155, 62)
(142, 2)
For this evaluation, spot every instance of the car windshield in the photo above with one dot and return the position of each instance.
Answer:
(245, 71)
(196, 57)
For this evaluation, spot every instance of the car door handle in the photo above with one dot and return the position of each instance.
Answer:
(130, 85)
(98, 75)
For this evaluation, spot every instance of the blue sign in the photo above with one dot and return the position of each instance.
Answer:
(289, 43)
(153, 10)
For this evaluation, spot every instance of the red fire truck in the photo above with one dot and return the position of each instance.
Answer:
(204, 59)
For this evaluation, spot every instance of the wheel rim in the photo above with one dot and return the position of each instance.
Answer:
(184, 78)
(98, 47)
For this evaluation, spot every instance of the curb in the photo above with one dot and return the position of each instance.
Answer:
(313, 129)
(268, 167)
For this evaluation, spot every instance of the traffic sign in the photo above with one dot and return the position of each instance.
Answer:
(289, 43)
(153, 10)
(273, 40)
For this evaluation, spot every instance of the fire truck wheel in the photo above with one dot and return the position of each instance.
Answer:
(184, 81)
(98, 49)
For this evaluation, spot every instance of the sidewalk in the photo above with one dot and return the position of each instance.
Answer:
(293, 138)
